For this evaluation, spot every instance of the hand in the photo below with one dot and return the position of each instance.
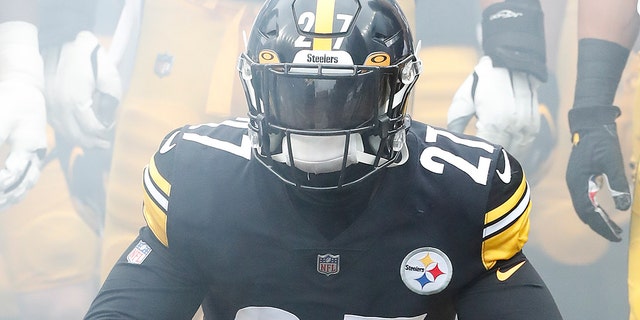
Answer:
(23, 125)
(23, 119)
(83, 90)
(505, 103)
(596, 154)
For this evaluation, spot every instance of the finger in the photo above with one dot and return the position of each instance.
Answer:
(525, 96)
(601, 223)
(19, 182)
(621, 195)
(17, 167)
(583, 190)
(577, 179)
(613, 169)
(7, 179)
(599, 220)
(618, 186)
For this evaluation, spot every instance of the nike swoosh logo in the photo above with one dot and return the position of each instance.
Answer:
(168, 145)
(505, 175)
(504, 275)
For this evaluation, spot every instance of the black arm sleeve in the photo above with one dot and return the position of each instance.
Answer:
(517, 294)
(513, 36)
(158, 287)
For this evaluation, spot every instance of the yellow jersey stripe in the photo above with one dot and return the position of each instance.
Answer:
(508, 205)
(153, 192)
(324, 23)
(158, 179)
(154, 209)
(496, 226)
(156, 220)
(508, 242)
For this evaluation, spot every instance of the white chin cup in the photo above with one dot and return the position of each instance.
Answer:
(321, 154)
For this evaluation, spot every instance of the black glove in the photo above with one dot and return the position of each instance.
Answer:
(596, 153)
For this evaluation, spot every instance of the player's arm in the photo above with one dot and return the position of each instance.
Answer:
(22, 106)
(155, 286)
(501, 92)
(511, 288)
(606, 31)
(150, 280)
(83, 86)
(513, 36)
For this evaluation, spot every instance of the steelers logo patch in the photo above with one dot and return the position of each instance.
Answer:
(426, 271)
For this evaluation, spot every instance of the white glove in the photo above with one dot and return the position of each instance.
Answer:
(505, 104)
(83, 90)
(23, 118)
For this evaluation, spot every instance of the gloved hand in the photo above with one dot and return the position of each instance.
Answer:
(596, 153)
(83, 90)
(505, 103)
(22, 110)
(23, 125)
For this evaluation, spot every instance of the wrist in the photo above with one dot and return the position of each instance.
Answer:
(591, 117)
(513, 36)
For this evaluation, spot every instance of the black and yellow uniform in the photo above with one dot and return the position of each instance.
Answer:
(185, 48)
(440, 234)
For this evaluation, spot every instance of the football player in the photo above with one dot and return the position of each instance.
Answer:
(606, 33)
(180, 86)
(328, 202)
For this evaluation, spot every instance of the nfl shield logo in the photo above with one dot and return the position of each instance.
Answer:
(139, 253)
(328, 264)
(163, 64)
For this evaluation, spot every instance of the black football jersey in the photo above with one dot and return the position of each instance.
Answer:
(438, 223)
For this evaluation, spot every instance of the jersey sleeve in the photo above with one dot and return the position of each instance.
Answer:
(149, 282)
(513, 291)
(156, 182)
(506, 222)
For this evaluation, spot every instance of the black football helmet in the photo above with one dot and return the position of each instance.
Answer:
(327, 84)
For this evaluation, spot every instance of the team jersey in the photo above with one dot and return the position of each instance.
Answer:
(442, 234)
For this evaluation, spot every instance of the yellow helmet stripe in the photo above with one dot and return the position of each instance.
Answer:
(325, 10)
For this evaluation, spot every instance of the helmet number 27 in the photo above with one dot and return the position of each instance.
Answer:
(307, 21)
